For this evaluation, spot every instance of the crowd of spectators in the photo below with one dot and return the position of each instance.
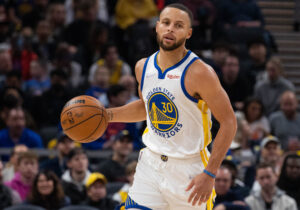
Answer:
(51, 51)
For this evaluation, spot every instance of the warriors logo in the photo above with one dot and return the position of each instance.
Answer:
(162, 111)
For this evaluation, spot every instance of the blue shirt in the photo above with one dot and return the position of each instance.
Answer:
(28, 138)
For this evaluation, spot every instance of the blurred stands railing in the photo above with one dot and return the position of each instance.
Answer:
(280, 21)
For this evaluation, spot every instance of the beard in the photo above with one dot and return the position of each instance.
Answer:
(171, 47)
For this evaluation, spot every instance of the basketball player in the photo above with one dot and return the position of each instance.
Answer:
(177, 91)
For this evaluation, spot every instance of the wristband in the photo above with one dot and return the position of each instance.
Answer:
(209, 174)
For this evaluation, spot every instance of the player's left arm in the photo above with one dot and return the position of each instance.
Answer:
(201, 80)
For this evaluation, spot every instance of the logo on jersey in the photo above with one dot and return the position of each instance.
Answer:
(163, 114)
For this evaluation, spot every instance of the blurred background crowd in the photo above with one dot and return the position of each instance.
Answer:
(51, 51)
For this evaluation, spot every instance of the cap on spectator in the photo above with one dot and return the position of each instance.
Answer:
(95, 177)
(124, 134)
(269, 139)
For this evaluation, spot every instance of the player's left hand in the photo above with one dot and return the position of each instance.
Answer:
(203, 185)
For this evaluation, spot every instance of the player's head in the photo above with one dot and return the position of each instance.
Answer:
(174, 26)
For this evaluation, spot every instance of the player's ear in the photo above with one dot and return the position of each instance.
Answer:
(190, 32)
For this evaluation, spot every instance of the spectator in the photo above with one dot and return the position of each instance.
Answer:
(59, 164)
(92, 48)
(13, 80)
(11, 166)
(258, 123)
(43, 43)
(100, 84)
(62, 61)
(220, 50)
(27, 170)
(40, 81)
(47, 192)
(17, 133)
(256, 65)
(47, 108)
(76, 32)
(112, 61)
(289, 179)
(76, 176)
(8, 196)
(117, 96)
(227, 199)
(57, 18)
(114, 167)
(286, 123)
(122, 195)
(270, 89)
(269, 197)
(129, 82)
(270, 153)
(237, 185)
(236, 86)
(96, 193)
(233, 13)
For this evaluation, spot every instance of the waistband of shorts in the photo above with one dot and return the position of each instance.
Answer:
(167, 159)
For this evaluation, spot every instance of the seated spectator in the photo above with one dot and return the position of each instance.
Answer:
(258, 124)
(269, 90)
(114, 167)
(256, 65)
(235, 85)
(11, 166)
(47, 192)
(17, 133)
(112, 61)
(122, 195)
(234, 13)
(47, 107)
(285, 123)
(237, 185)
(129, 82)
(40, 81)
(42, 43)
(8, 196)
(5, 64)
(76, 176)
(37, 11)
(269, 196)
(220, 50)
(270, 153)
(96, 193)
(227, 199)
(59, 164)
(289, 179)
(63, 61)
(99, 85)
(56, 16)
(117, 96)
(27, 170)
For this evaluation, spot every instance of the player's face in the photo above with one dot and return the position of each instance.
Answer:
(173, 28)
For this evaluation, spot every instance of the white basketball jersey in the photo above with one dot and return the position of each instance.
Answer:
(178, 125)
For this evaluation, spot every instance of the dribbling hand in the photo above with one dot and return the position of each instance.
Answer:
(201, 186)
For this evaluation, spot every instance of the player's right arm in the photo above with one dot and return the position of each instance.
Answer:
(134, 111)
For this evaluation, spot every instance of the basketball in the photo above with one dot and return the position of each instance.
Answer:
(84, 119)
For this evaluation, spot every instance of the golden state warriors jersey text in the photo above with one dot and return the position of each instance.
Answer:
(175, 124)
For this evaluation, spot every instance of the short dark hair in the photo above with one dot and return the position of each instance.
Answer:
(264, 165)
(183, 8)
(76, 151)
(115, 90)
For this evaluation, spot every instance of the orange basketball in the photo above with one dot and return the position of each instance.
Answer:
(84, 119)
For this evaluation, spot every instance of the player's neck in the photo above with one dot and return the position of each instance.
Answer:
(166, 59)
